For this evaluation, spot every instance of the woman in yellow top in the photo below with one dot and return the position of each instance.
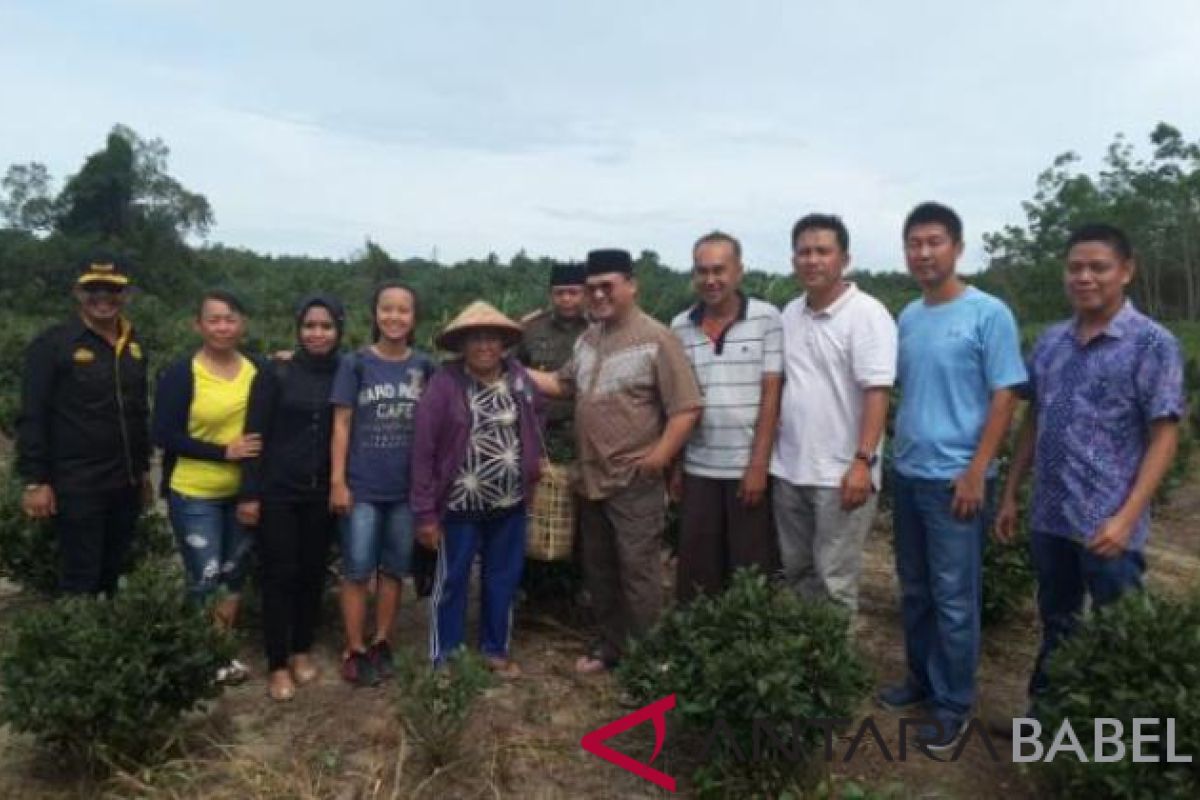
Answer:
(199, 416)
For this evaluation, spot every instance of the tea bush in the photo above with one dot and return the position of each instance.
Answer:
(435, 704)
(754, 652)
(107, 679)
(1139, 657)
(1008, 581)
(29, 548)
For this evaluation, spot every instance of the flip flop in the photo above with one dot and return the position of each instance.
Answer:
(504, 667)
(591, 665)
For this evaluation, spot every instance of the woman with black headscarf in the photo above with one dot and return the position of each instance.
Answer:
(285, 492)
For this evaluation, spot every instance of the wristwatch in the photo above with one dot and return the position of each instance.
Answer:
(871, 459)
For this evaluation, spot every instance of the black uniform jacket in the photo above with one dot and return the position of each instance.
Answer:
(84, 418)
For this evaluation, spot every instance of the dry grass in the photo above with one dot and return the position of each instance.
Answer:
(522, 740)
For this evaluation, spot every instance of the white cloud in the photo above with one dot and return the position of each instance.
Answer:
(475, 127)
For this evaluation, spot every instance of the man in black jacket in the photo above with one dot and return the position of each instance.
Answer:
(83, 442)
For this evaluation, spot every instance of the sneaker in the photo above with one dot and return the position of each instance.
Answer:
(942, 732)
(233, 673)
(380, 654)
(358, 670)
(900, 697)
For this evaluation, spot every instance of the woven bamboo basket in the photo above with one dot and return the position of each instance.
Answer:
(552, 519)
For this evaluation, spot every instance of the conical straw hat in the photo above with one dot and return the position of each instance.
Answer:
(475, 316)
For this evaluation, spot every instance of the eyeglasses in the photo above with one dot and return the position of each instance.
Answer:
(102, 288)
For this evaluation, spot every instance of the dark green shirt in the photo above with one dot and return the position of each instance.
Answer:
(546, 345)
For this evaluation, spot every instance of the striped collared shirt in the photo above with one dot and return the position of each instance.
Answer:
(730, 372)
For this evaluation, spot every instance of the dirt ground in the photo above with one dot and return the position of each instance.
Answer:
(334, 741)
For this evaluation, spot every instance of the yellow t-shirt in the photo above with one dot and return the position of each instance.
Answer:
(217, 415)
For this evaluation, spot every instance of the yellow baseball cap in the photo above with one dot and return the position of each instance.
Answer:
(102, 270)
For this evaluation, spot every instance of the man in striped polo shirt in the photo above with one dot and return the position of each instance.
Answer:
(734, 345)
(839, 354)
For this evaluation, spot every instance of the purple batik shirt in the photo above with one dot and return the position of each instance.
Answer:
(1094, 404)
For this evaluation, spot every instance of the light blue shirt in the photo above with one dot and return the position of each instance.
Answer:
(953, 357)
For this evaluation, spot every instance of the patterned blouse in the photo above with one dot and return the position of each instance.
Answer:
(489, 481)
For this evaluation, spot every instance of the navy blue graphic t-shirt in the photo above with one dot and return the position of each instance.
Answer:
(383, 395)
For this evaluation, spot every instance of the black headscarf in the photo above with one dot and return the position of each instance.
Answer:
(336, 310)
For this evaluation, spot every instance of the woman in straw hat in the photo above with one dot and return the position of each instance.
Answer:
(474, 468)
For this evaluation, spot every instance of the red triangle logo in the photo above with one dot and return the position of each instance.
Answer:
(656, 711)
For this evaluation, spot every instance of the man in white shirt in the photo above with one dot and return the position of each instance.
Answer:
(839, 348)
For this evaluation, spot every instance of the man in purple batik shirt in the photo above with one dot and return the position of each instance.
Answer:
(1106, 397)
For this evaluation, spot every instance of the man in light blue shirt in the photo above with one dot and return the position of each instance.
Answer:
(959, 369)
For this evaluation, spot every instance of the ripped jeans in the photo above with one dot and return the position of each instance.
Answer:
(212, 543)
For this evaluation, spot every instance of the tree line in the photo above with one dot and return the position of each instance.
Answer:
(124, 200)
(1154, 197)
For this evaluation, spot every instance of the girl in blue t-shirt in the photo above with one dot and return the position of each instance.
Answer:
(375, 393)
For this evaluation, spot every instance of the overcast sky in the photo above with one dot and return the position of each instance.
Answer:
(556, 126)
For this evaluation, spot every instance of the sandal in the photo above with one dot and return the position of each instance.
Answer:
(504, 667)
(303, 670)
(280, 686)
(595, 661)
(589, 665)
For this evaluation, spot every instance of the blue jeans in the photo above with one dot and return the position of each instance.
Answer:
(211, 542)
(939, 559)
(377, 536)
(501, 542)
(1065, 571)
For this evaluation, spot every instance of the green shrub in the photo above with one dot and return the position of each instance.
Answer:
(435, 704)
(106, 680)
(1139, 657)
(1008, 580)
(851, 790)
(753, 653)
(29, 548)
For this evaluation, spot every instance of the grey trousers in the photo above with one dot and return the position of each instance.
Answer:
(820, 545)
(622, 560)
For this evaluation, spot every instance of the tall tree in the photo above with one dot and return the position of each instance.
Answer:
(25, 200)
(98, 200)
(379, 264)
(1156, 200)
(158, 198)
(124, 191)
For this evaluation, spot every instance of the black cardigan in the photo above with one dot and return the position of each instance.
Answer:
(172, 405)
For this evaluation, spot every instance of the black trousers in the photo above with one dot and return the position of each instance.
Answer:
(95, 530)
(293, 550)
